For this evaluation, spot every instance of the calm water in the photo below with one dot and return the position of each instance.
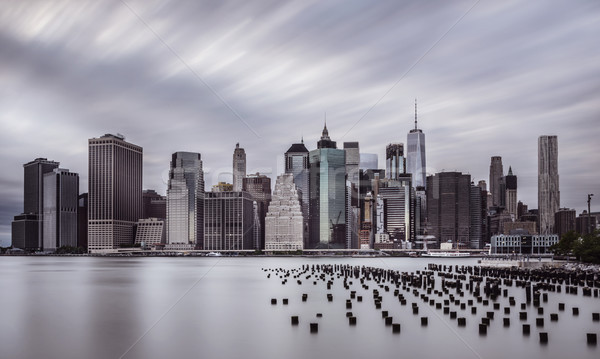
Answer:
(54, 307)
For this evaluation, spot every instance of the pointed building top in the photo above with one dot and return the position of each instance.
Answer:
(510, 171)
(416, 113)
(325, 134)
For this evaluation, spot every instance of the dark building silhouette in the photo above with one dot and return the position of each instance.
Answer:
(478, 217)
(496, 174)
(564, 221)
(155, 205)
(25, 232)
(61, 192)
(584, 223)
(259, 188)
(82, 220)
(296, 163)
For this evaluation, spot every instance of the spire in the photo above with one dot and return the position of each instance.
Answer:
(302, 139)
(325, 134)
(510, 171)
(415, 113)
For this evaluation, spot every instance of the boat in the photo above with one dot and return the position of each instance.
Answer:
(214, 254)
(446, 254)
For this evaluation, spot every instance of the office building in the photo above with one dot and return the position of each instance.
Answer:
(394, 160)
(585, 224)
(394, 209)
(259, 188)
(228, 221)
(510, 183)
(327, 194)
(155, 205)
(448, 210)
(496, 174)
(524, 244)
(284, 221)
(239, 167)
(150, 232)
(415, 155)
(296, 163)
(61, 192)
(478, 217)
(352, 193)
(548, 188)
(115, 192)
(564, 221)
(25, 232)
(82, 221)
(185, 200)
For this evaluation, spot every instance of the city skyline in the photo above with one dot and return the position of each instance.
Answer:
(489, 81)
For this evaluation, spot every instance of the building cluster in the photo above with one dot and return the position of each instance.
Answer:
(327, 198)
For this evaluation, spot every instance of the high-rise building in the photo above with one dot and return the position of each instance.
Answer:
(496, 174)
(394, 209)
(564, 221)
(239, 167)
(448, 208)
(284, 222)
(296, 163)
(259, 187)
(185, 200)
(368, 161)
(155, 205)
(584, 224)
(548, 189)
(61, 192)
(394, 160)
(33, 205)
(228, 221)
(327, 194)
(478, 214)
(115, 192)
(82, 221)
(510, 183)
(352, 193)
(415, 155)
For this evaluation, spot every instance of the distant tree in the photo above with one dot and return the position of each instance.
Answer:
(588, 249)
(566, 244)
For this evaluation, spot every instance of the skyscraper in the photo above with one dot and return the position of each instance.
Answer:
(185, 200)
(548, 189)
(327, 194)
(352, 193)
(394, 160)
(394, 209)
(259, 187)
(510, 183)
(496, 173)
(228, 221)
(61, 192)
(115, 192)
(284, 220)
(31, 220)
(448, 207)
(415, 155)
(296, 163)
(239, 167)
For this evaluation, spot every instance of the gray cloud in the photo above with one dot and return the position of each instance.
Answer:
(505, 74)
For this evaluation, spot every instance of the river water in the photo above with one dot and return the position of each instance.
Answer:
(220, 307)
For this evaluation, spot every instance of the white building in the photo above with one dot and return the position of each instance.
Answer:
(523, 244)
(284, 219)
(150, 231)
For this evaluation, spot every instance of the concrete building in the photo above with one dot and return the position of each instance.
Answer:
(478, 217)
(394, 209)
(524, 244)
(327, 195)
(448, 210)
(394, 160)
(155, 205)
(228, 221)
(548, 187)
(33, 205)
(519, 228)
(61, 192)
(239, 167)
(185, 200)
(415, 155)
(296, 163)
(496, 174)
(564, 221)
(284, 221)
(150, 232)
(510, 183)
(259, 187)
(115, 192)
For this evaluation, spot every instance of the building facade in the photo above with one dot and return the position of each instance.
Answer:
(564, 221)
(259, 187)
(548, 188)
(416, 163)
(61, 192)
(115, 192)
(327, 194)
(150, 232)
(284, 221)
(185, 199)
(296, 163)
(510, 183)
(239, 167)
(155, 205)
(523, 244)
(394, 160)
(496, 174)
(228, 221)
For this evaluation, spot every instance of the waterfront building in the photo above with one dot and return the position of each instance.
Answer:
(524, 244)
(548, 187)
(228, 221)
(368, 161)
(61, 192)
(496, 174)
(115, 192)
(448, 210)
(33, 205)
(296, 163)
(510, 183)
(352, 193)
(259, 188)
(150, 232)
(564, 221)
(415, 155)
(185, 199)
(239, 167)
(327, 194)
(284, 221)
(82, 220)
(155, 205)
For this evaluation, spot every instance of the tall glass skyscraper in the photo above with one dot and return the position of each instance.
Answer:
(415, 155)
(327, 194)
(185, 199)
(548, 190)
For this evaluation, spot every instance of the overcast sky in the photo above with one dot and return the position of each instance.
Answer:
(490, 78)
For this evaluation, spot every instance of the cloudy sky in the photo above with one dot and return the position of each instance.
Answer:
(490, 77)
